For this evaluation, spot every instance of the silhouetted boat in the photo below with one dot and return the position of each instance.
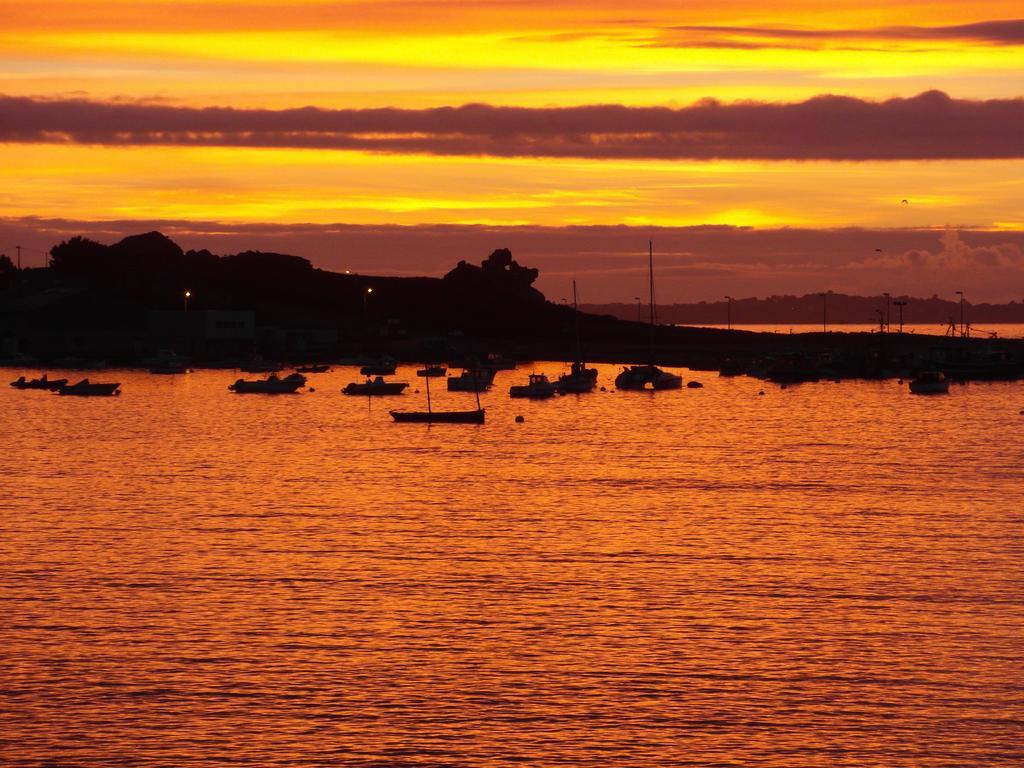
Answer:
(472, 380)
(499, 362)
(432, 372)
(40, 383)
(930, 383)
(580, 379)
(430, 416)
(258, 365)
(86, 388)
(167, 363)
(440, 417)
(961, 363)
(637, 377)
(272, 385)
(313, 369)
(793, 369)
(383, 367)
(377, 386)
(538, 388)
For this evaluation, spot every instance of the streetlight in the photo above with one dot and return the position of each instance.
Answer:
(961, 295)
(188, 295)
(639, 317)
(366, 295)
(824, 313)
(887, 302)
(728, 313)
(900, 304)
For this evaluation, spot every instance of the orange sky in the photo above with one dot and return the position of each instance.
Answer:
(420, 54)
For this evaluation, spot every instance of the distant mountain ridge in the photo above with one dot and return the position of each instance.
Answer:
(809, 309)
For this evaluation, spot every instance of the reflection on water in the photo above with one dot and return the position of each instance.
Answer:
(825, 575)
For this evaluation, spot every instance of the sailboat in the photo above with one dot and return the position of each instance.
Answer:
(637, 377)
(580, 379)
(430, 416)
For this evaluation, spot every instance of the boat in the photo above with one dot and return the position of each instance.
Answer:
(499, 362)
(472, 380)
(440, 417)
(272, 385)
(40, 383)
(86, 388)
(259, 365)
(793, 369)
(580, 379)
(313, 368)
(637, 377)
(430, 416)
(167, 363)
(538, 388)
(930, 383)
(432, 372)
(375, 386)
(383, 367)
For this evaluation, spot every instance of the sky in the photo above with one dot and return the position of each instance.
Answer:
(766, 148)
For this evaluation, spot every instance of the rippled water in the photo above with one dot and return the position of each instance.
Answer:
(829, 574)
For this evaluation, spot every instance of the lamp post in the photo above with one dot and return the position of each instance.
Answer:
(639, 317)
(961, 295)
(824, 313)
(888, 301)
(188, 295)
(728, 313)
(900, 304)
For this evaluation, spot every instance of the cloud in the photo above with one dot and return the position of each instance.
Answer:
(954, 257)
(1002, 32)
(930, 125)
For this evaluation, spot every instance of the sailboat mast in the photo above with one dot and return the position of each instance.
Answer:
(650, 272)
(576, 320)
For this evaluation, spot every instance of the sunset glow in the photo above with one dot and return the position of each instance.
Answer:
(269, 56)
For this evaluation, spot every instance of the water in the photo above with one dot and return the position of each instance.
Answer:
(829, 574)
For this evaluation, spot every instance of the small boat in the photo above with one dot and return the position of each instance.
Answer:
(430, 416)
(499, 362)
(383, 367)
(258, 365)
(440, 417)
(167, 363)
(538, 388)
(637, 377)
(432, 372)
(86, 388)
(472, 380)
(376, 386)
(313, 369)
(40, 383)
(930, 383)
(271, 385)
(578, 381)
(793, 369)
